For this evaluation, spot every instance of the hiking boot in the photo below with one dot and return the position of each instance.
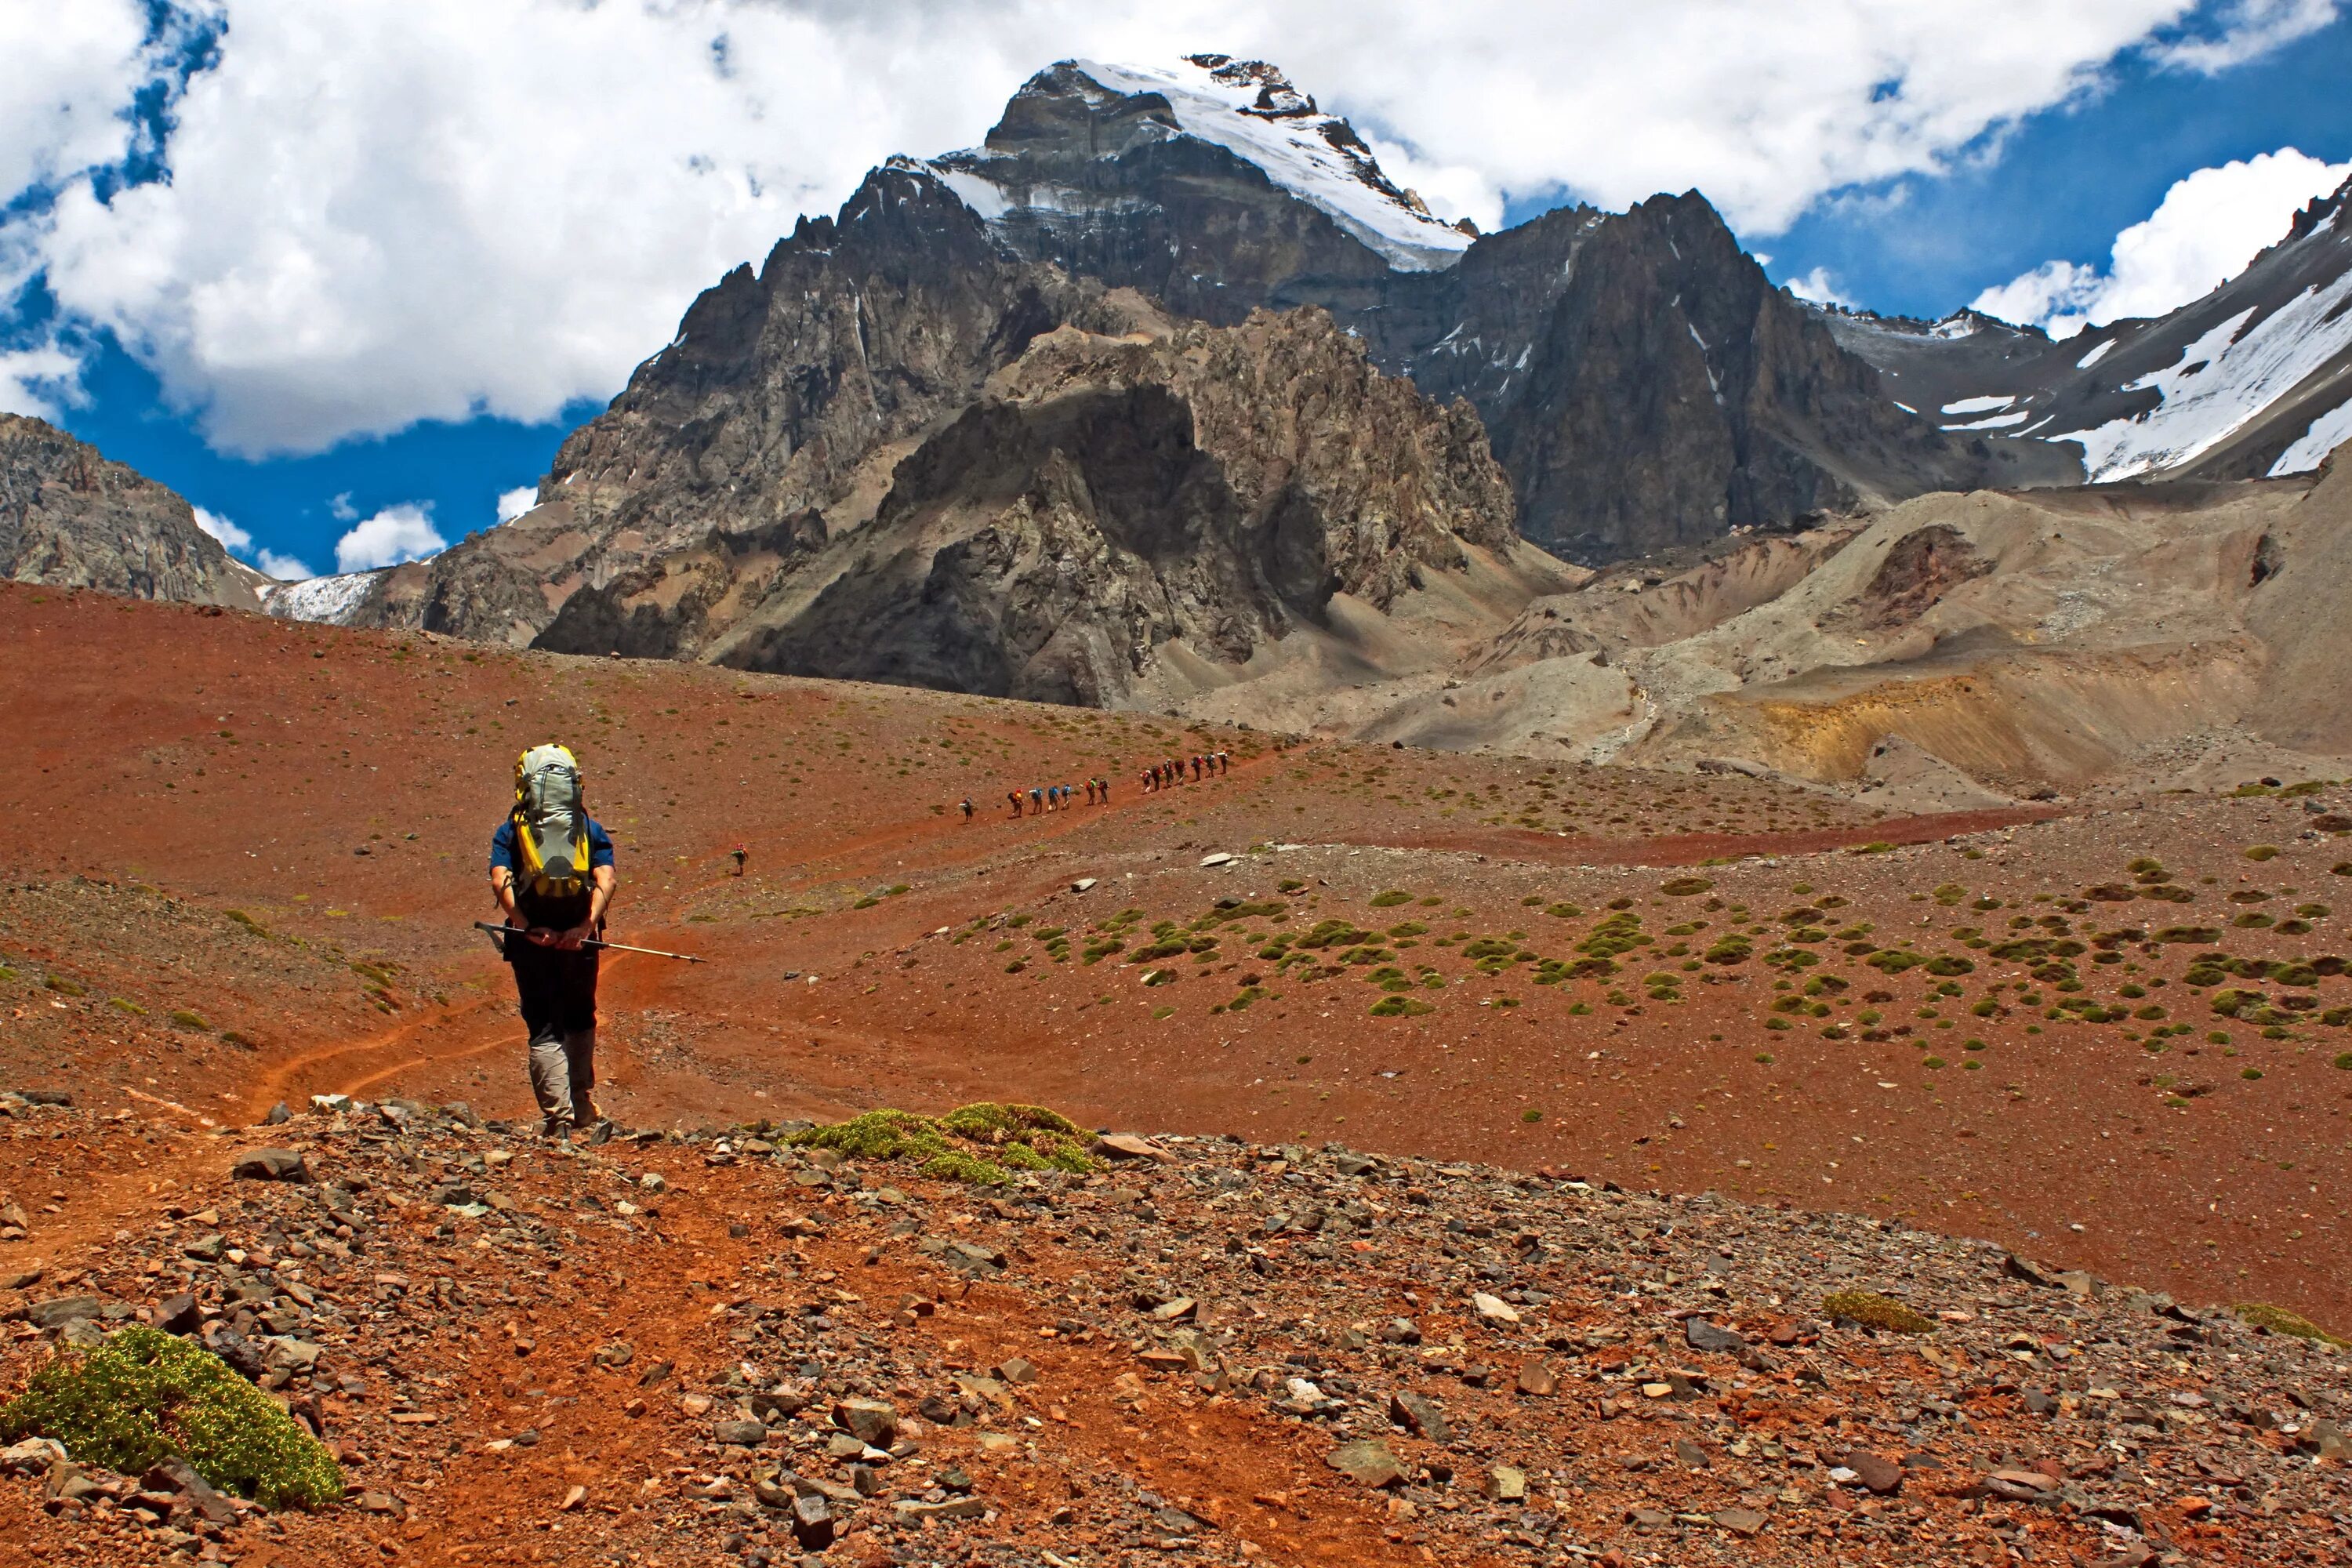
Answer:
(555, 1130)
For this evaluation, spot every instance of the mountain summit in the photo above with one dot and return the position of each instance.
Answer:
(1053, 162)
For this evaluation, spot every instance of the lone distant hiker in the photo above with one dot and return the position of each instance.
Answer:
(967, 808)
(741, 853)
(551, 872)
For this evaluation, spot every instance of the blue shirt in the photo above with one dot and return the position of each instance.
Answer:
(502, 847)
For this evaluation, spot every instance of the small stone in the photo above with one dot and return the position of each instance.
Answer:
(954, 1508)
(1126, 1146)
(870, 1421)
(1877, 1473)
(1691, 1454)
(1506, 1483)
(32, 1457)
(271, 1165)
(573, 1500)
(1369, 1462)
(1493, 1309)
(814, 1526)
(278, 1116)
(59, 1311)
(1016, 1371)
(176, 1315)
(1420, 1415)
(1703, 1335)
(1537, 1378)
(1739, 1521)
(1082, 884)
(741, 1434)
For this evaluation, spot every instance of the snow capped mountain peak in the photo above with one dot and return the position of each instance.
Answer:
(2254, 378)
(1248, 108)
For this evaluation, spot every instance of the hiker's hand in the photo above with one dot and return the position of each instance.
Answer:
(542, 936)
(570, 940)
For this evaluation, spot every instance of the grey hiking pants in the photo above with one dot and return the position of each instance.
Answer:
(562, 1071)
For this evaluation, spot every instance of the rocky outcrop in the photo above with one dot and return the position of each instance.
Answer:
(1104, 498)
(71, 519)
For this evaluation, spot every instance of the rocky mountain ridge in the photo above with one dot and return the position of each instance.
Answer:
(2254, 379)
(70, 518)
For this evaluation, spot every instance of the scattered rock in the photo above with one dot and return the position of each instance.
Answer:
(1420, 1415)
(1125, 1146)
(1875, 1472)
(1493, 1309)
(1369, 1462)
(271, 1165)
(1702, 1335)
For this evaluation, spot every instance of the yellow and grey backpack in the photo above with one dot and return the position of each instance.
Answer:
(550, 824)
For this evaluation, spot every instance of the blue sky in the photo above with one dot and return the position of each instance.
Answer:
(310, 265)
(2065, 183)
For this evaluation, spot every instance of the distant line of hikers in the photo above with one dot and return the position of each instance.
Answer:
(1039, 799)
(1053, 797)
(1160, 775)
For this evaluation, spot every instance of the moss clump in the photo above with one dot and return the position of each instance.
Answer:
(2279, 1321)
(977, 1143)
(1873, 1311)
(144, 1397)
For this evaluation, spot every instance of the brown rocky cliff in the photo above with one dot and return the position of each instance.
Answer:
(776, 398)
(1107, 496)
(70, 518)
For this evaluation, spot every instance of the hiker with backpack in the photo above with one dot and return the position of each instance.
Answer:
(552, 873)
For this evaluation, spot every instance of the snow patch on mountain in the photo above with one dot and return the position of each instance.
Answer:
(1251, 110)
(2221, 381)
(330, 601)
(2310, 449)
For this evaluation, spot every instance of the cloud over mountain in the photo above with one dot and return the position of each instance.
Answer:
(384, 211)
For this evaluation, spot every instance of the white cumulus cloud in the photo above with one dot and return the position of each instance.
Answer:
(2207, 228)
(1818, 287)
(233, 539)
(397, 533)
(237, 540)
(38, 381)
(513, 503)
(384, 211)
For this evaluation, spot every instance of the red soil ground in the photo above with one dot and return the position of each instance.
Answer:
(337, 790)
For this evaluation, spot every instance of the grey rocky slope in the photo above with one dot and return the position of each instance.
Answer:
(70, 518)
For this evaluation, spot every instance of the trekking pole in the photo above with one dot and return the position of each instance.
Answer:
(499, 934)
